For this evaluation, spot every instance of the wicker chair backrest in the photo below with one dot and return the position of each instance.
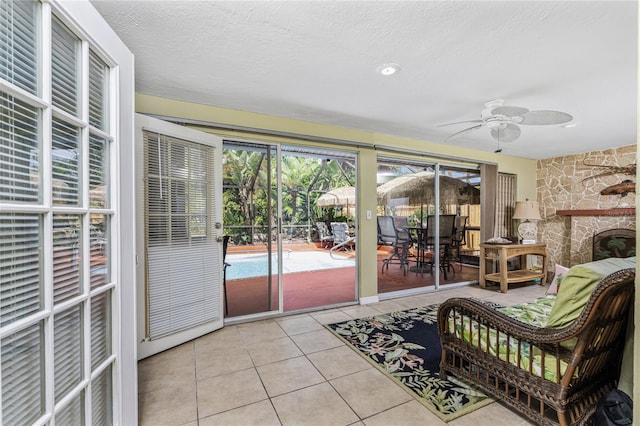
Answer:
(599, 326)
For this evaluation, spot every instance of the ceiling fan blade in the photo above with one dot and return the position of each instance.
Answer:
(509, 111)
(463, 132)
(508, 133)
(460, 122)
(545, 117)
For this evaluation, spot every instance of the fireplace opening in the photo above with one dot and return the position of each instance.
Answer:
(614, 243)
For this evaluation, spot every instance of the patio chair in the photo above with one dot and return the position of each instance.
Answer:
(459, 237)
(325, 237)
(341, 237)
(402, 226)
(447, 231)
(401, 242)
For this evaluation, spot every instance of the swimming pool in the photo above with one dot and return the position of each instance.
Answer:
(255, 265)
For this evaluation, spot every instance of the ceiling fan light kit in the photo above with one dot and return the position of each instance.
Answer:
(388, 69)
(503, 120)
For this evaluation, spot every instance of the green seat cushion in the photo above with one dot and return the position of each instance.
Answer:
(533, 313)
(577, 286)
(509, 349)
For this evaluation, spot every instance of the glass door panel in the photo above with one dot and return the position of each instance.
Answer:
(319, 197)
(466, 243)
(250, 212)
(271, 217)
(406, 199)
(432, 206)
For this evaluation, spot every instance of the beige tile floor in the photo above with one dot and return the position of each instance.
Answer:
(292, 371)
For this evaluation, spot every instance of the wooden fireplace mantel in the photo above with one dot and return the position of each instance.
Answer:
(631, 211)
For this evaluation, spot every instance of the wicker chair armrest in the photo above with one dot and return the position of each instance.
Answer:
(493, 318)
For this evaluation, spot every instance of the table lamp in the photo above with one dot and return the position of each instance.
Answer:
(527, 211)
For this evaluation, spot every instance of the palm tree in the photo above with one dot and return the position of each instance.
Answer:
(243, 177)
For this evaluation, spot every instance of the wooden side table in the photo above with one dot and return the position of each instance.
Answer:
(504, 252)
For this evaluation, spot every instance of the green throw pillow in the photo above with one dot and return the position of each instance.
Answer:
(577, 286)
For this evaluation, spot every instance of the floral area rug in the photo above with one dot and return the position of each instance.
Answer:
(406, 346)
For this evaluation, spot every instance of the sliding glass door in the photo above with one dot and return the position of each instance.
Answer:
(273, 216)
(250, 218)
(435, 217)
(318, 197)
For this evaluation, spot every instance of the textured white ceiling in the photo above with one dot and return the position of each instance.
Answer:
(316, 61)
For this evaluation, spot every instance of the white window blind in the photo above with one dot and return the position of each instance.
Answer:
(19, 46)
(23, 376)
(20, 266)
(101, 400)
(100, 328)
(67, 262)
(65, 163)
(180, 244)
(67, 354)
(72, 413)
(19, 151)
(98, 106)
(65, 68)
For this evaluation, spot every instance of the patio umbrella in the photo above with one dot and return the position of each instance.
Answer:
(418, 188)
(338, 197)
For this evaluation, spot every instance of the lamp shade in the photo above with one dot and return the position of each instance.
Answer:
(527, 210)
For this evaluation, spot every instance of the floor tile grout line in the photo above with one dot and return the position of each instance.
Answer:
(528, 294)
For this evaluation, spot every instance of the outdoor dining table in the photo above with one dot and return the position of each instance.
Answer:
(423, 242)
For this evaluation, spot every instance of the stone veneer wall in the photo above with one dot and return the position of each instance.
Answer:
(560, 186)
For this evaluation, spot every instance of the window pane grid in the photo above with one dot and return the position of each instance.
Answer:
(51, 236)
(65, 68)
(178, 190)
(178, 225)
(18, 44)
(19, 154)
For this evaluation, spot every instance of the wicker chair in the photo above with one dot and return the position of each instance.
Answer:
(582, 372)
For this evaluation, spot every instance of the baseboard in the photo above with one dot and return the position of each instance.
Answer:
(368, 300)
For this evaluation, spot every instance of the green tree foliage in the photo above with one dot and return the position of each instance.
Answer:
(246, 190)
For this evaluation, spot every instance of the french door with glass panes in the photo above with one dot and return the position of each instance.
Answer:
(179, 232)
(66, 279)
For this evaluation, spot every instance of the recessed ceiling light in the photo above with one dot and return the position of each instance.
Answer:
(569, 125)
(388, 69)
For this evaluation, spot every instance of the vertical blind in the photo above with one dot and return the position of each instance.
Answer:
(74, 232)
(181, 248)
(505, 202)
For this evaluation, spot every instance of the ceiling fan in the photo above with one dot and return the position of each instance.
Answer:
(504, 121)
